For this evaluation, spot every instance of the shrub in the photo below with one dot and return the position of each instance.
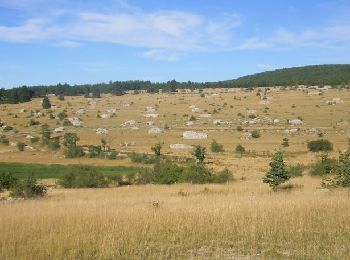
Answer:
(157, 149)
(94, 151)
(142, 158)
(33, 122)
(342, 170)
(83, 177)
(60, 97)
(321, 145)
(255, 134)
(240, 149)
(73, 150)
(216, 147)
(285, 142)
(8, 128)
(192, 118)
(239, 128)
(199, 153)
(112, 155)
(7, 181)
(296, 170)
(62, 115)
(28, 188)
(20, 146)
(166, 172)
(66, 122)
(54, 143)
(45, 134)
(223, 176)
(196, 174)
(4, 140)
(277, 173)
(34, 140)
(252, 116)
(323, 166)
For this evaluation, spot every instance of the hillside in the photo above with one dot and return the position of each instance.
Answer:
(308, 75)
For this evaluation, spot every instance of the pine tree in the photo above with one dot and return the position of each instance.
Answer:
(46, 103)
(199, 153)
(45, 134)
(277, 173)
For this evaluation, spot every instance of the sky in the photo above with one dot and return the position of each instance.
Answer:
(86, 41)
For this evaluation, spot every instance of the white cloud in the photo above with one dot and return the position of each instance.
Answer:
(166, 34)
(161, 55)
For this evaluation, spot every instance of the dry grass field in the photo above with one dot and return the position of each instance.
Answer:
(242, 220)
(238, 220)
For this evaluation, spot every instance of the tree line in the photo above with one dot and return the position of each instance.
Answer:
(321, 75)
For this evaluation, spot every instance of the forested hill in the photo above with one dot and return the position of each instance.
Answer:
(310, 75)
(335, 75)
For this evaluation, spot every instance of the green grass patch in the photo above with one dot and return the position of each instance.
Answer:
(48, 171)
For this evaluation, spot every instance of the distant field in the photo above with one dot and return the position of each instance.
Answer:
(53, 171)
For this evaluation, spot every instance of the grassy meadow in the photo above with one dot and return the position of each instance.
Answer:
(242, 219)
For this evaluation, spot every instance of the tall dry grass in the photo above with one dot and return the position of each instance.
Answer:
(234, 221)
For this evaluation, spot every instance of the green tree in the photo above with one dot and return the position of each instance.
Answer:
(72, 150)
(199, 153)
(46, 103)
(215, 147)
(278, 173)
(157, 149)
(45, 134)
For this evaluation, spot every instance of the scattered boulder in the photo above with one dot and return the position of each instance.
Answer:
(180, 146)
(191, 135)
(155, 130)
(59, 129)
(75, 121)
(101, 131)
(151, 115)
(295, 122)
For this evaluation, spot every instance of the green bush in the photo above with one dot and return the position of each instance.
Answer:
(296, 170)
(66, 122)
(112, 155)
(342, 170)
(62, 115)
(323, 166)
(33, 122)
(7, 181)
(216, 147)
(34, 140)
(240, 149)
(196, 174)
(239, 128)
(20, 146)
(285, 142)
(166, 172)
(83, 177)
(28, 188)
(321, 145)
(142, 158)
(54, 143)
(255, 134)
(4, 140)
(223, 176)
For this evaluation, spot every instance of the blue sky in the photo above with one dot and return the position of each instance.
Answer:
(85, 41)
